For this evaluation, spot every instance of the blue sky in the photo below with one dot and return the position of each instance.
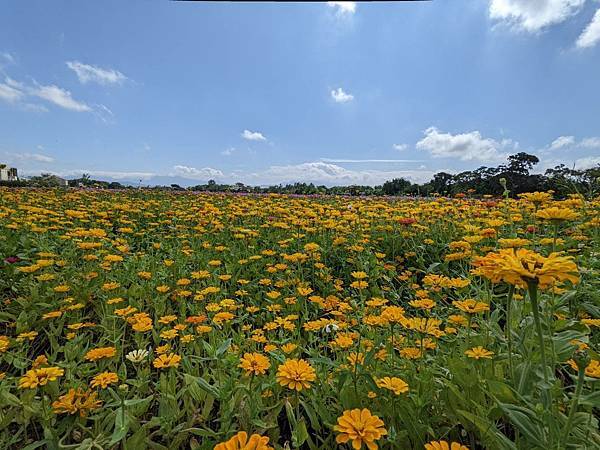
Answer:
(332, 93)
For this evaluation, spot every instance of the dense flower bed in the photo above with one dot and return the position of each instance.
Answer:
(159, 320)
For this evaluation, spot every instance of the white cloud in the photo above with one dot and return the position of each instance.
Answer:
(562, 141)
(22, 157)
(330, 174)
(400, 147)
(332, 160)
(253, 136)
(533, 15)
(10, 93)
(591, 35)
(591, 142)
(60, 97)
(86, 73)
(343, 8)
(197, 174)
(228, 151)
(339, 96)
(97, 174)
(465, 146)
(570, 141)
(587, 162)
(16, 92)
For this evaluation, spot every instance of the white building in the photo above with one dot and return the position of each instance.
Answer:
(8, 173)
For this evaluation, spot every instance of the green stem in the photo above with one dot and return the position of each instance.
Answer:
(509, 301)
(532, 287)
(574, 403)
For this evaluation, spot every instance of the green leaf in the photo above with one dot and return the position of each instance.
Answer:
(526, 421)
(299, 434)
(501, 391)
(121, 426)
(212, 390)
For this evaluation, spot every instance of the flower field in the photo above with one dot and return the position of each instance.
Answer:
(156, 320)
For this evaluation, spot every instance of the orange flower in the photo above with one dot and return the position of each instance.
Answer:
(167, 360)
(241, 442)
(104, 379)
(100, 353)
(254, 363)
(295, 374)
(360, 427)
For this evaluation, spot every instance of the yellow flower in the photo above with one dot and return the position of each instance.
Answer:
(444, 445)
(40, 361)
(360, 427)
(359, 275)
(76, 401)
(479, 352)
(289, 347)
(167, 360)
(394, 384)
(556, 214)
(100, 353)
(4, 343)
(104, 379)
(29, 335)
(521, 267)
(40, 377)
(241, 442)
(295, 374)
(254, 363)
(536, 198)
(393, 314)
(592, 370)
(471, 306)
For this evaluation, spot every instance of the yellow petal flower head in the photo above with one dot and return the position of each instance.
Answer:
(537, 198)
(360, 427)
(167, 360)
(103, 379)
(394, 384)
(100, 353)
(444, 445)
(479, 352)
(76, 401)
(254, 363)
(556, 214)
(471, 306)
(40, 377)
(295, 374)
(521, 267)
(241, 442)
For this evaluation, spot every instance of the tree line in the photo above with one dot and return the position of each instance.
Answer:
(516, 175)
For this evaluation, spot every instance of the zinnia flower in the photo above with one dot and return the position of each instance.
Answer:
(40, 377)
(394, 384)
(167, 360)
(444, 445)
(100, 353)
(241, 442)
(479, 352)
(556, 214)
(360, 427)
(137, 356)
(104, 379)
(295, 374)
(471, 306)
(521, 267)
(76, 401)
(254, 363)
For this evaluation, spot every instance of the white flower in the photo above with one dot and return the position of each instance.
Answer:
(137, 356)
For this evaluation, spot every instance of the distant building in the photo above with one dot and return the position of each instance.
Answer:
(8, 173)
